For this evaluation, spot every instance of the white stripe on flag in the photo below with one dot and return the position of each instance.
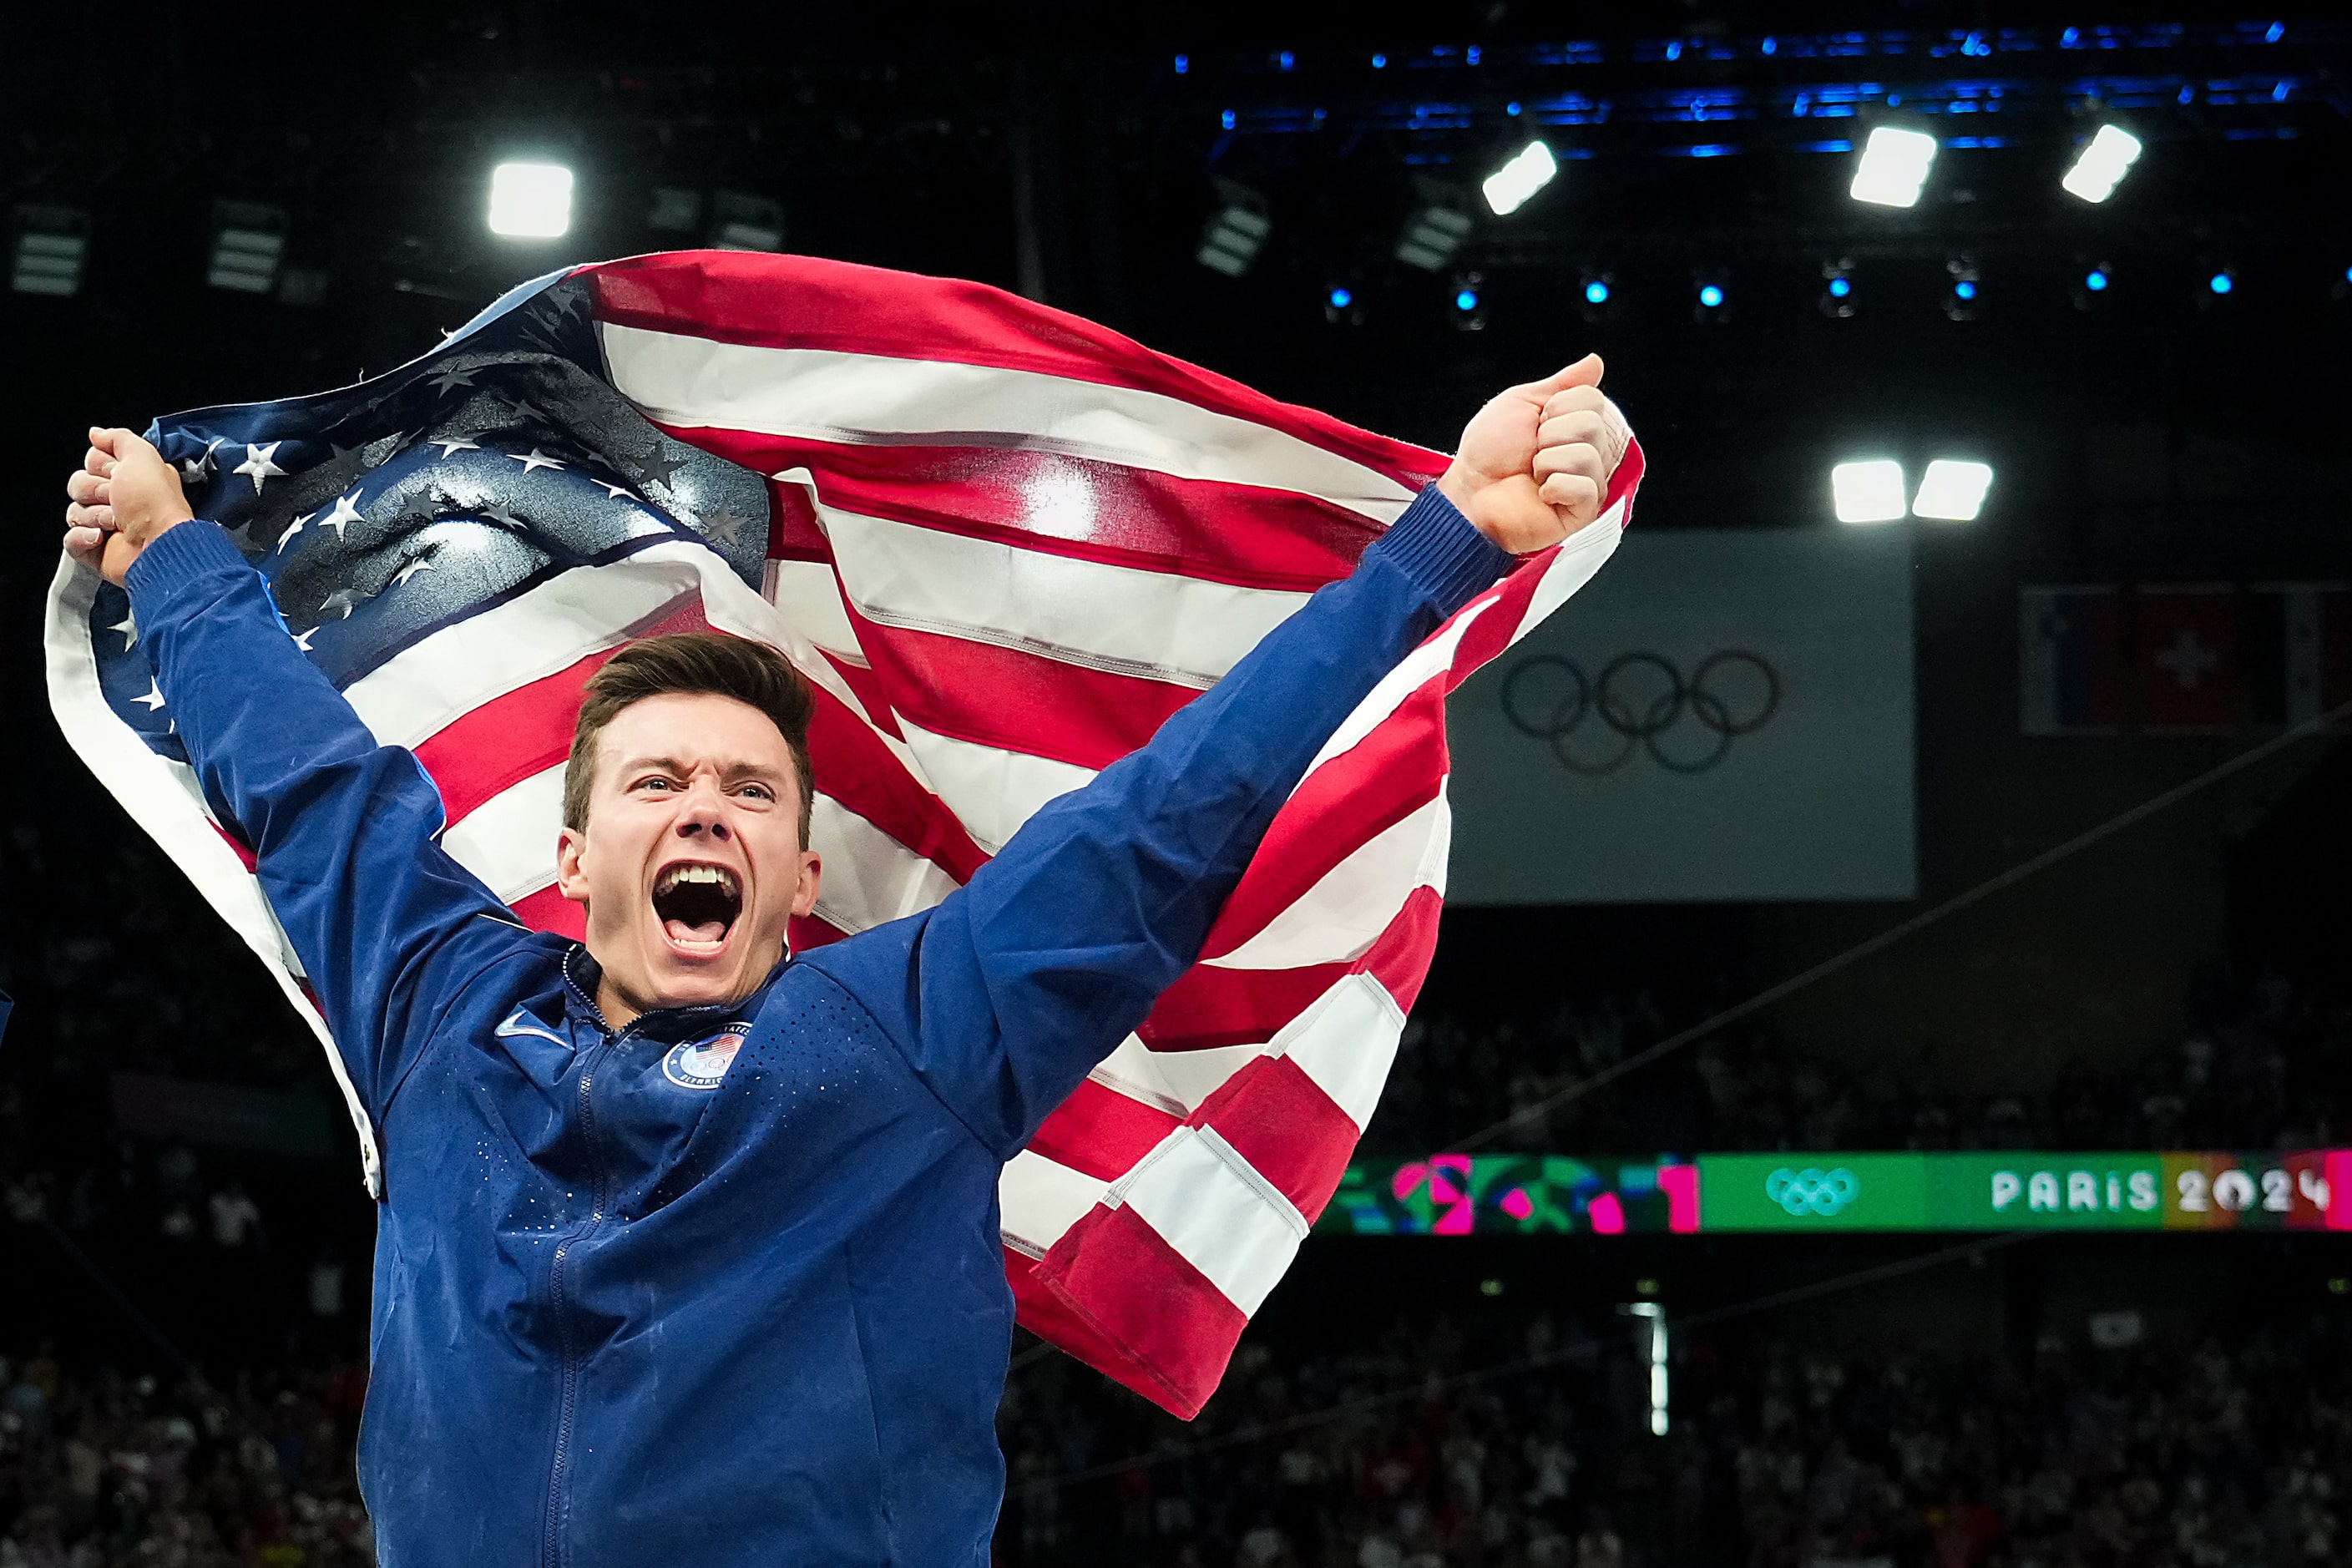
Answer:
(1345, 1041)
(509, 841)
(1176, 1081)
(1039, 1199)
(1215, 1210)
(991, 791)
(1339, 917)
(870, 878)
(1156, 624)
(807, 595)
(1584, 553)
(422, 688)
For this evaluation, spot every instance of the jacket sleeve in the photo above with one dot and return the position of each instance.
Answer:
(1009, 990)
(387, 926)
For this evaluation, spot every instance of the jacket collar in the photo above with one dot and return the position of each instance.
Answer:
(581, 975)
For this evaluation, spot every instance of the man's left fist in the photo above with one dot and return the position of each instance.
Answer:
(1535, 461)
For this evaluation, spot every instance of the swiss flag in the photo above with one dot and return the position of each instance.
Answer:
(2184, 656)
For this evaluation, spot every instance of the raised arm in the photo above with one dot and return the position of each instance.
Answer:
(1007, 994)
(386, 925)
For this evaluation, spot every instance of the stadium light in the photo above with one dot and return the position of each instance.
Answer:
(1235, 232)
(52, 244)
(1434, 230)
(1653, 1352)
(2102, 164)
(1952, 490)
(1867, 491)
(1506, 190)
(1837, 300)
(248, 244)
(1893, 167)
(1469, 311)
(530, 201)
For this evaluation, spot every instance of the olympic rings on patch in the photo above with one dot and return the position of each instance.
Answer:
(1641, 698)
(1813, 1190)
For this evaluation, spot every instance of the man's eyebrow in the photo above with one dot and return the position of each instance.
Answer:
(732, 770)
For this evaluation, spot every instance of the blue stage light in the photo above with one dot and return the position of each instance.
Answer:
(1466, 300)
(1839, 287)
(1596, 293)
(2095, 280)
(1965, 290)
(1379, 62)
(1341, 299)
(1183, 64)
(1710, 296)
(1226, 119)
(2220, 282)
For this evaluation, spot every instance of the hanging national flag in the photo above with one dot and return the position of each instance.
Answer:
(2072, 676)
(2184, 657)
(2296, 650)
(1004, 544)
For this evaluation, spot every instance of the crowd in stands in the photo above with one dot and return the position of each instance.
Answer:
(2235, 1453)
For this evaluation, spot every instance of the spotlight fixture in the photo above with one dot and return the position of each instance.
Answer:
(530, 201)
(1469, 302)
(1837, 299)
(1893, 167)
(2102, 164)
(2222, 284)
(1596, 294)
(1963, 289)
(1235, 232)
(741, 221)
(1710, 298)
(1952, 489)
(1870, 490)
(52, 244)
(249, 245)
(1530, 170)
(1343, 304)
(1434, 230)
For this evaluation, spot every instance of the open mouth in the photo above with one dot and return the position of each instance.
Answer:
(696, 906)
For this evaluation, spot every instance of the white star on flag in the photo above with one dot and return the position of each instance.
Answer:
(199, 468)
(422, 563)
(342, 517)
(257, 463)
(154, 697)
(450, 379)
(129, 627)
(292, 529)
(302, 639)
(455, 445)
(619, 492)
(538, 460)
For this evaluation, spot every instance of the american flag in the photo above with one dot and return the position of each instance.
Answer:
(1004, 544)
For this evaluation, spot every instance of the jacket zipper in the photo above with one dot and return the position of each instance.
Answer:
(553, 1550)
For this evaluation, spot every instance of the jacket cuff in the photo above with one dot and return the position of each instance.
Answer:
(180, 557)
(1441, 551)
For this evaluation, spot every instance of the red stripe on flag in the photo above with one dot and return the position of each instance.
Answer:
(1289, 1130)
(1382, 780)
(547, 909)
(508, 739)
(1050, 1318)
(857, 769)
(806, 934)
(1249, 535)
(1101, 1131)
(1027, 702)
(1139, 1295)
(1211, 1007)
(731, 297)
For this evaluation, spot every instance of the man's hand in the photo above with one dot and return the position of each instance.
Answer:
(1534, 462)
(124, 496)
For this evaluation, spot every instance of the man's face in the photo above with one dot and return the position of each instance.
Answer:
(691, 861)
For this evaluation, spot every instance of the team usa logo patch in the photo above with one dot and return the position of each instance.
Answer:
(702, 1063)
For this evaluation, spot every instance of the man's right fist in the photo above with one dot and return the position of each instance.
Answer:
(124, 496)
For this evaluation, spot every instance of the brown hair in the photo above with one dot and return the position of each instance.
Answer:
(748, 671)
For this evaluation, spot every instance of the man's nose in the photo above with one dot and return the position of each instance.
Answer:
(704, 812)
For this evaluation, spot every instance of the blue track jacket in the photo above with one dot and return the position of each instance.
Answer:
(626, 1313)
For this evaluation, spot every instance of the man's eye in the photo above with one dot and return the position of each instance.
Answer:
(759, 792)
(652, 782)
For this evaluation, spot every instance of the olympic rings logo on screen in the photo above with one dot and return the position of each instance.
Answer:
(1813, 1191)
(1642, 700)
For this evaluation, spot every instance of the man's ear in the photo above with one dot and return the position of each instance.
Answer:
(804, 895)
(571, 879)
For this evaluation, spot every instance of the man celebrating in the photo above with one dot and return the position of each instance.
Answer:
(689, 1247)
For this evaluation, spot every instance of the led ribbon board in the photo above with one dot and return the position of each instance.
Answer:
(1465, 1194)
